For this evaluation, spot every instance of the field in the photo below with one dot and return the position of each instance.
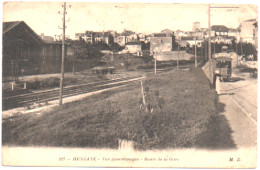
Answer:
(189, 105)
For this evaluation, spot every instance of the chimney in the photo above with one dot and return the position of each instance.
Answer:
(42, 35)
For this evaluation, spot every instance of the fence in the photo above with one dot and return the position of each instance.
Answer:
(208, 69)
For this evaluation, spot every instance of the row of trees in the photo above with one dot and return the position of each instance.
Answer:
(83, 50)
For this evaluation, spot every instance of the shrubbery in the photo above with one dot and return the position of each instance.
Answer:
(51, 82)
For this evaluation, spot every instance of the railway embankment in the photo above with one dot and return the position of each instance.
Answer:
(184, 107)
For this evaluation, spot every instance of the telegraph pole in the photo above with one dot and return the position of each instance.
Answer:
(63, 54)
(178, 55)
(73, 68)
(209, 32)
(155, 66)
(196, 62)
(209, 43)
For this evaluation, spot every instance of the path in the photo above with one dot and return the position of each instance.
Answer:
(240, 99)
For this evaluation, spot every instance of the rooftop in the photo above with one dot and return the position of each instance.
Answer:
(7, 26)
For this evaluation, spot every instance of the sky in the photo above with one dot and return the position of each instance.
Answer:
(43, 17)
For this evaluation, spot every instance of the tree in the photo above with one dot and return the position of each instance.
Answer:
(115, 47)
(85, 50)
(146, 46)
(102, 46)
(246, 49)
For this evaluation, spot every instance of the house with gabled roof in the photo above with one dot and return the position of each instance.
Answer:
(219, 30)
(133, 47)
(167, 31)
(191, 41)
(161, 42)
(25, 52)
(247, 31)
(222, 34)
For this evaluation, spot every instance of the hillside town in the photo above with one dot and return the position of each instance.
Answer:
(131, 90)
(162, 44)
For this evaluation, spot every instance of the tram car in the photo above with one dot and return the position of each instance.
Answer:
(223, 67)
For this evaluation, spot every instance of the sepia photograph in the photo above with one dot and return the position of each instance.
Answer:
(129, 84)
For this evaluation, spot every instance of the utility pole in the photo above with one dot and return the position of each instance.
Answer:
(63, 54)
(206, 50)
(155, 66)
(209, 43)
(209, 32)
(196, 62)
(214, 48)
(236, 50)
(209, 48)
(12, 69)
(178, 56)
(241, 47)
(73, 68)
(201, 50)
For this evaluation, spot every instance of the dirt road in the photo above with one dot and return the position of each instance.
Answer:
(240, 99)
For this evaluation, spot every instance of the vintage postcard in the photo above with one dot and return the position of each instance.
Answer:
(120, 84)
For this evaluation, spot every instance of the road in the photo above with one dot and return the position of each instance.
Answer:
(240, 99)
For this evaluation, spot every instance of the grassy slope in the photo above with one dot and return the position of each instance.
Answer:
(101, 119)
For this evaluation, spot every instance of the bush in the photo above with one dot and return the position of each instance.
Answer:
(51, 82)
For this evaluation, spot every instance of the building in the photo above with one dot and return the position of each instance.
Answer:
(121, 40)
(133, 47)
(133, 38)
(222, 34)
(195, 26)
(219, 30)
(95, 37)
(256, 35)
(127, 33)
(147, 38)
(191, 41)
(79, 36)
(232, 32)
(46, 38)
(247, 31)
(168, 32)
(161, 42)
(55, 38)
(223, 39)
(179, 34)
(88, 37)
(142, 37)
(25, 52)
(108, 38)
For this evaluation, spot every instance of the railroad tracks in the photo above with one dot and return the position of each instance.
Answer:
(53, 94)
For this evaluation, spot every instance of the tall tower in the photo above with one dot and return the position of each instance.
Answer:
(196, 25)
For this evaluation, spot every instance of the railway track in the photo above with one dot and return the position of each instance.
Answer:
(53, 94)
